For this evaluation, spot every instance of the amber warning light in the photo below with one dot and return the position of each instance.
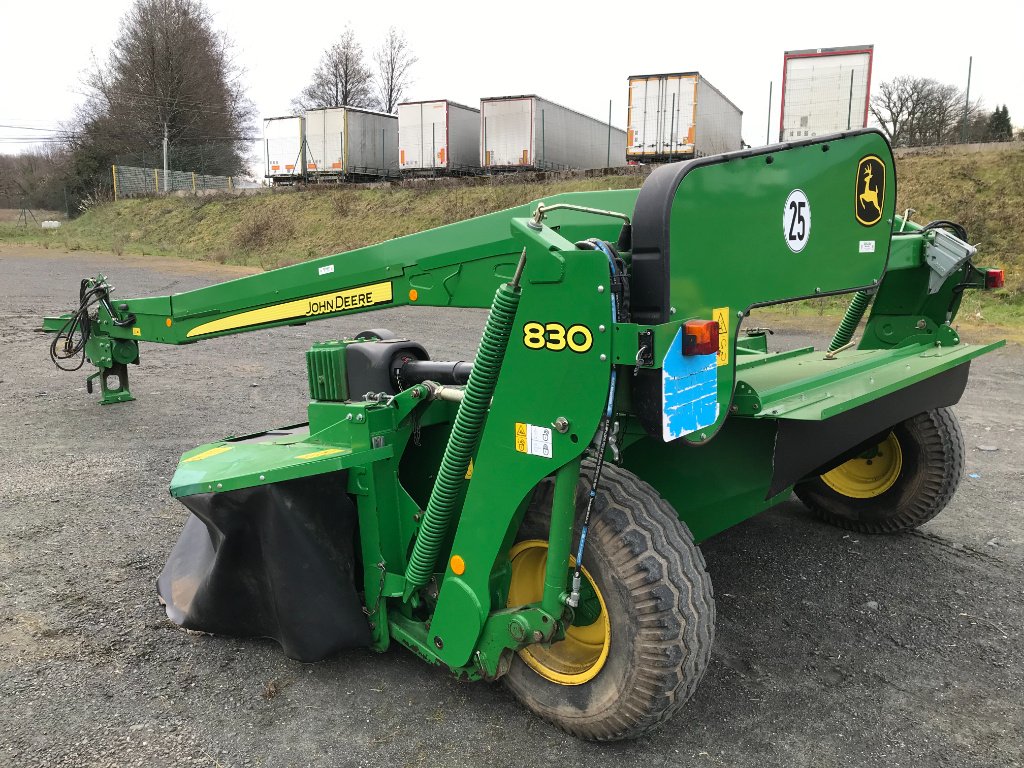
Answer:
(700, 337)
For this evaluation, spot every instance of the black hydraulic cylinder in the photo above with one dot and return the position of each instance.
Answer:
(417, 371)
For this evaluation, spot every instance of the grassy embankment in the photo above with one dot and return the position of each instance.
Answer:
(984, 191)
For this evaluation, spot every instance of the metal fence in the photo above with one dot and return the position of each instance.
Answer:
(131, 181)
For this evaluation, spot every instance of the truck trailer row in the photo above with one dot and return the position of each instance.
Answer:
(670, 117)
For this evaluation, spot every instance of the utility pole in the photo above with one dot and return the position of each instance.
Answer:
(166, 187)
(768, 133)
(849, 109)
(967, 102)
(608, 162)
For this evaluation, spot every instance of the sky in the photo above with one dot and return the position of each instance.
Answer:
(575, 54)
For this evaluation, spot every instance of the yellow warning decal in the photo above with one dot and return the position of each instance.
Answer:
(534, 440)
(136, 331)
(207, 454)
(324, 304)
(721, 316)
(318, 454)
(469, 470)
(521, 439)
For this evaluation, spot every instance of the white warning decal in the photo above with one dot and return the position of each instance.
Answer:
(867, 246)
(796, 220)
(533, 440)
(326, 270)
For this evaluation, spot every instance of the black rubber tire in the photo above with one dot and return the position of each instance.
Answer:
(660, 606)
(933, 463)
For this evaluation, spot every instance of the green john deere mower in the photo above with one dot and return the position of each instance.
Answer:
(534, 514)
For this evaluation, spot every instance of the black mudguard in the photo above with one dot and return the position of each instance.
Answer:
(270, 561)
(804, 448)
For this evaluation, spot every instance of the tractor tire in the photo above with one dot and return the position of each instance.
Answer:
(917, 470)
(648, 590)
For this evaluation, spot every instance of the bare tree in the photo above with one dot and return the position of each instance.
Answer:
(394, 59)
(895, 105)
(341, 79)
(168, 68)
(35, 178)
(919, 111)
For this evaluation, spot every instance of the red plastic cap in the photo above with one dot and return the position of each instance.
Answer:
(994, 278)
(700, 337)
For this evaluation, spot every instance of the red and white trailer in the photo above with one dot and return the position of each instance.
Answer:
(825, 90)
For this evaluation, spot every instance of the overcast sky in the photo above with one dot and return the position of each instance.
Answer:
(576, 54)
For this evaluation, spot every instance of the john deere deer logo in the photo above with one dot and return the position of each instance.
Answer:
(870, 190)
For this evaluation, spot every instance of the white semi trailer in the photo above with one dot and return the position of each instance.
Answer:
(347, 142)
(679, 116)
(438, 137)
(531, 133)
(825, 90)
(284, 149)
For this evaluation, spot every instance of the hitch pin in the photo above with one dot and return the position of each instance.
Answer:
(832, 355)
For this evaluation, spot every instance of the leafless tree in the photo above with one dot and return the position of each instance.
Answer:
(341, 79)
(919, 111)
(168, 67)
(394, 60)
(35, 178)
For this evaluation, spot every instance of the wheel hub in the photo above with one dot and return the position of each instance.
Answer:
(582, 653)
(869, 475)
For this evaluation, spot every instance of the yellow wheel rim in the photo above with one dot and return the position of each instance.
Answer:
(580, 656)
(869, 475)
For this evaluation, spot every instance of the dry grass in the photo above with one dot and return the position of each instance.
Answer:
(984, 191)
(11, 215)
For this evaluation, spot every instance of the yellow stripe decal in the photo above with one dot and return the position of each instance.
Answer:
(318, 454)
(207, 454)
(324, 304)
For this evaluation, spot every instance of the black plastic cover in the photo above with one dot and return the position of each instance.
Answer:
(369, 365)
(271, 561)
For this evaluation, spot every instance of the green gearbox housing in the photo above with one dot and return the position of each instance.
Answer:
(444, 505)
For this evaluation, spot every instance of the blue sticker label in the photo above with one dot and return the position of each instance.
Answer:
(689, 391)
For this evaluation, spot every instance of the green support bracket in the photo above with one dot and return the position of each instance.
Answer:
(563, 513)
(112, 357)
(111, 392)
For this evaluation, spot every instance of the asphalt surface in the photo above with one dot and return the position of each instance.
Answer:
(833, 649)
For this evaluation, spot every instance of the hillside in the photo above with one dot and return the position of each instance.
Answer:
(982, 190)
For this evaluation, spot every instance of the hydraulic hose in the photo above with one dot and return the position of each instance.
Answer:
(465, 435)
(605, 429)
(854, 313)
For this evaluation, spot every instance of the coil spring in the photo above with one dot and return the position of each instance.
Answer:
(464, 437)
(851, 319)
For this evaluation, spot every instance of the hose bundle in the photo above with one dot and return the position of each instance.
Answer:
(75, 332)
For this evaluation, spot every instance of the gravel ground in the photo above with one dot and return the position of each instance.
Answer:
(832, 649)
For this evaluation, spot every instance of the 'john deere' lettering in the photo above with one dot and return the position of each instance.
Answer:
(325, 304)
(340, 302)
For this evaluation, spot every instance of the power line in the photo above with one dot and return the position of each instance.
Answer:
(170, 101)
(29, 128)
